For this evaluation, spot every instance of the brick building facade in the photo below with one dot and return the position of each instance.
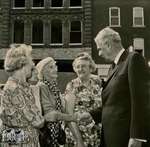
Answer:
(57, 28)
(130, 18)
(63, 28)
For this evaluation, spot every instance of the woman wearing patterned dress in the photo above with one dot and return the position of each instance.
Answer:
(83, 94)
(51, 102)
(20, 116)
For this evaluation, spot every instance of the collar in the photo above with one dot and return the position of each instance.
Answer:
(118, 56)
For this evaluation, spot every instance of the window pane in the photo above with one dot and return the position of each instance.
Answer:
(138, 12)
(114, 21)
(138, 43)
(75, 37)
(75, 26)
(38, 3)
(138, 21)
(18, 32)
(75, 32)
(75, 3)
(56, 31)
(37, 32)
(57, 3)
(114, 12)
(19, 3)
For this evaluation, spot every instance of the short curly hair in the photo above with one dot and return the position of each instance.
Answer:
(42, 65)
(17, 56)
(86, 57)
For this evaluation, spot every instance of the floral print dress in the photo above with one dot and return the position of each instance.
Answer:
(87, 98)
(20, 111)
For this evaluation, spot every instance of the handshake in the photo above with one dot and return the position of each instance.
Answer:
(76, 117)
(84, 116)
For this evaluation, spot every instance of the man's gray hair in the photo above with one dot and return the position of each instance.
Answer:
(109, 34)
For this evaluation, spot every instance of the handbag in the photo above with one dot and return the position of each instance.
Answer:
(14, 136)
(45, 137)
(62, 136)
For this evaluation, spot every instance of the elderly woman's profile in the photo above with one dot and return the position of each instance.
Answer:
(20, 116)
(52, 103)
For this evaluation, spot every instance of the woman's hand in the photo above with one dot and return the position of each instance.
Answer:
(80, 144)
(85, 116)
(51, 116)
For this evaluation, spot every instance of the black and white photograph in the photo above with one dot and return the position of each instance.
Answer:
(74, 73)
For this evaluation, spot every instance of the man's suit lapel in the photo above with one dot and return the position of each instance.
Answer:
(115, 70)
(110, 76)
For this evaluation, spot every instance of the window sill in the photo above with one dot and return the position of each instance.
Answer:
(75, 7)
(56, 7)
(74, 44)
(37, 7)
(113, 26)
(56, 44)
(19, 8)
(37, 44)
(138, 26)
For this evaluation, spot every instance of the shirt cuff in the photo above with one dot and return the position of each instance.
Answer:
(141, 140)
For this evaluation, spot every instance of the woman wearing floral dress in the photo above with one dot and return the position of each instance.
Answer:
(20, 116)
(83, 94)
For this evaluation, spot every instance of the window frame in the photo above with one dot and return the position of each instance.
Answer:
(13, 31)
(13, 5)
(36, 44)
(75, 7)
(57, 7)
(81, 26)
(38, 7)
(143, 50)
(142, 12)
(110, 17)
(55, 44)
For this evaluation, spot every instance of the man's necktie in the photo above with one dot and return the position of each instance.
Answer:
(113, 65)
(111, 68)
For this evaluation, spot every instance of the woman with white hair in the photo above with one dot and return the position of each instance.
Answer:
(83, 94)
(51, 102)
(20, 116)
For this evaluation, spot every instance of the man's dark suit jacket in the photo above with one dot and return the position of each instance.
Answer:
(125, 102)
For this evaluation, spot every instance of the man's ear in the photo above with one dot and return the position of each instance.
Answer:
(108, 43)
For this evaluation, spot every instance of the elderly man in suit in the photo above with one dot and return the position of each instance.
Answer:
(124, 95)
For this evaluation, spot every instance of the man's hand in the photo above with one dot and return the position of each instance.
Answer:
(134, 143)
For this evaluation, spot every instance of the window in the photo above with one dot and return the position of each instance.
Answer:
(38, 3)
(75, 3)
(114, 16)
(138, 44)
(56, 32)
(18, 35)
(56, 3)
(37, 32)
(138, 17)
(19, 3)
(75, 32)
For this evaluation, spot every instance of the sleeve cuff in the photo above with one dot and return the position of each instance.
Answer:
(141, 140)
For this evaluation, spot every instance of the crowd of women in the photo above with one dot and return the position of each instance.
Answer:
(33, 106)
